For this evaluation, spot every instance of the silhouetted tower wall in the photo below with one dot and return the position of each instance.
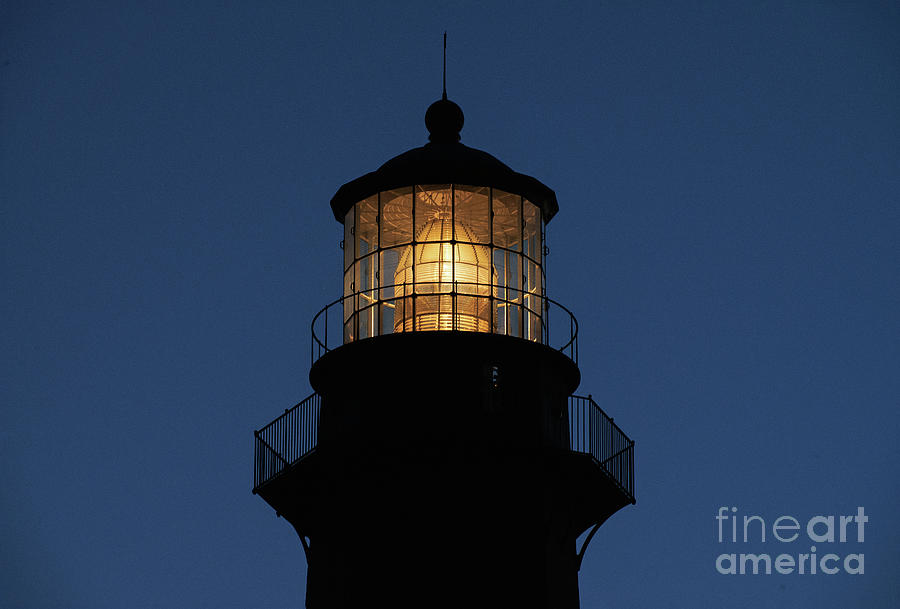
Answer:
(443, 460)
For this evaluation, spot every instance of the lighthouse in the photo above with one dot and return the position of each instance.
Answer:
(444, 458)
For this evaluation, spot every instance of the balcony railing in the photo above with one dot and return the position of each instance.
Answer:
(505, 310)
(593, 432)
(286, 440)
(294, 435)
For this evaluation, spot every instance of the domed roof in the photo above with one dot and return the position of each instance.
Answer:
(444, 160)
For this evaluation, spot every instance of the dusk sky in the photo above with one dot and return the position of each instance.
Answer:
(728, 176)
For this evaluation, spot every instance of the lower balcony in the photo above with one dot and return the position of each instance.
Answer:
(284, 443)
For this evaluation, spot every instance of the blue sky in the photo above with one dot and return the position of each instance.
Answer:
(728, 176)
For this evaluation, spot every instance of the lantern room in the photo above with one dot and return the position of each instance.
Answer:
(443, 257)
(444, 238)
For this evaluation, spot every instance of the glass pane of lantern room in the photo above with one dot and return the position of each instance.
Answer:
(387, 272)
(367, 319)
(366, 226)
(432, 267)
(366, 271)
(473, 272)
(471, 214)
(531, 271)
(350, 305)
(386, 313)
(532, 231)
(396, 216)
(433, 213)
(507, 220)
(507, 240)
(366, 264)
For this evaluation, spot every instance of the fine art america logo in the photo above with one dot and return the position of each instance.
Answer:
(824, 534)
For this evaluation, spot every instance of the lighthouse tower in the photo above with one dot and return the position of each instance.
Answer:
(443, 458)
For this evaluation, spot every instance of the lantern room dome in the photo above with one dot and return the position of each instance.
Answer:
(444, 160)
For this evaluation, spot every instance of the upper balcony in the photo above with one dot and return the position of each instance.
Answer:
(444, 305)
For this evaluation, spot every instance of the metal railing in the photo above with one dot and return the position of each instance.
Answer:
(286, 440)
(593, 432)
(294, 435)
(507, 311)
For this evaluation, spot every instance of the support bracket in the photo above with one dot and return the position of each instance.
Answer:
(584, 546)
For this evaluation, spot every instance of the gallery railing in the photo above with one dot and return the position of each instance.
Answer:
(286, 440)
(294, 435)
(593, 432)
(504, 310)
